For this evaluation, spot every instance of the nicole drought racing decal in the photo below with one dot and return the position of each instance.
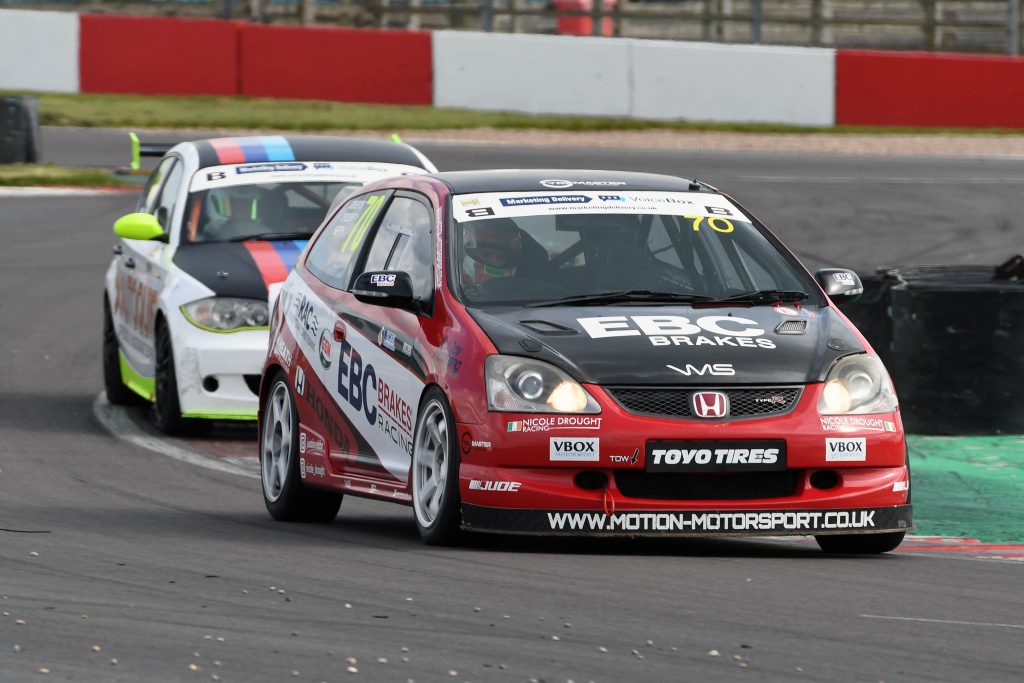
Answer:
(576, 353)
(197, 267)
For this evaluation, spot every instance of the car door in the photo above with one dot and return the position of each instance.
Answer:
(377, 372)
(390, 338)
(141, 270)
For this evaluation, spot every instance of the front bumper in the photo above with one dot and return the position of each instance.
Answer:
(218, 374)
(516, 478)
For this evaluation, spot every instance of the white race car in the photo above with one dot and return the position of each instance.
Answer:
(217, 229)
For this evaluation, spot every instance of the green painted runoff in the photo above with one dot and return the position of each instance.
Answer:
(968, 486)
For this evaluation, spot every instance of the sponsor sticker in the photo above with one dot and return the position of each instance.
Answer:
(547, 424)
(626, 459)
(383, 279)
(714, 369)
(545, 199)
(695, 522)
(270, 168)
(901, 486)
(308, 469)
(691, 522)
(844, 278)
(499, 486)
(311, 442)
(564, 449)
(846, 450)
(228, 175)
(326, 350)
(855, 423)
(300, 380)
(703, 211)
(678, 330)
(716, 456)
(557, 184)
(281, 350)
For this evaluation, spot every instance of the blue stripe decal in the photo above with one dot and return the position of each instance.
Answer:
(289, 253)
(278, 148)
(253, 149)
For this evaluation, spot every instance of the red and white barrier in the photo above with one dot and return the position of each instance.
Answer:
(646, 79)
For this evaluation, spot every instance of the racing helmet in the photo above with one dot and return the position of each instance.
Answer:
(493, 249)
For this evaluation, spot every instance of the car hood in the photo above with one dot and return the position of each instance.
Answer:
(676, 345)
(239, 269)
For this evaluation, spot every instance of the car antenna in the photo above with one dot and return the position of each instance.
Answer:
(695, 184)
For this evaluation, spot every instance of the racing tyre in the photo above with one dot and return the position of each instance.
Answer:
(166, 410)
(435, 472)
(860, 544)
(286, 497)
(117, 393)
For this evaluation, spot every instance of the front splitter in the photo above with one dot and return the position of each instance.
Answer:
(689, 522)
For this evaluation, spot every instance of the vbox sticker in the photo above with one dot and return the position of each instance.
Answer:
(575, 450)
(846, 450)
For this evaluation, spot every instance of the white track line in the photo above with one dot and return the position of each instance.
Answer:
(120, 425)
(943, 621)
(36, 192)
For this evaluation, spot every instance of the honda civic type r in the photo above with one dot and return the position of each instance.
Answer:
(576, 353)
(219, 224)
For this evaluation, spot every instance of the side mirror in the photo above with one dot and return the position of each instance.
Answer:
(139, 226)
(384, 288)
(841, 285)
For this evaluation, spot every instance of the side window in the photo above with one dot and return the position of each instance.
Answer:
(149, 196)
(164, 205)
(331, 255)
(403, 243)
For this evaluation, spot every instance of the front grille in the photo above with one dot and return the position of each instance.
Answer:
(748, 402)
(253, 382)
(710, 486)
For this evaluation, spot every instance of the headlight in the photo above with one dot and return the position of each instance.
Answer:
(524, 385)
(222, 314)
(857, 385)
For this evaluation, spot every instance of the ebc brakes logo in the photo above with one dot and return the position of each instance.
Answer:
(379, 403)
(677, 330)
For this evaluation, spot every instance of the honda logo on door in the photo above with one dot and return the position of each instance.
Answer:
(710, 404)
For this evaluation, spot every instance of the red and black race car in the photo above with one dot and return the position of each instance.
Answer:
(576, 353)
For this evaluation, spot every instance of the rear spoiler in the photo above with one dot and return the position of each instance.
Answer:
(149, 149)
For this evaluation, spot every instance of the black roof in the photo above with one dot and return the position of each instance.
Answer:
(259, 148)
(531, 180)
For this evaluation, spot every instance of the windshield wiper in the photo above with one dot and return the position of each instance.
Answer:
(766, 296)
(296, 235)
(644, 295)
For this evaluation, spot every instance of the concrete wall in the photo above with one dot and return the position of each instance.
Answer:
(711, 82)
(533, 74)
(38, 51)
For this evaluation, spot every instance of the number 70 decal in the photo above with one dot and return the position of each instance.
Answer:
(716, 223)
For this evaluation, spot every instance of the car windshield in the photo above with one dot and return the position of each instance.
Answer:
(580, 248)
(291, 210)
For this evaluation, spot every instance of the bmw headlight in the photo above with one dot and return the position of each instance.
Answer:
(224, 314)
(524, 385)
(857, 385)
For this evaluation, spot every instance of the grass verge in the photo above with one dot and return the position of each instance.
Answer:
(116, 110)
(36, 175)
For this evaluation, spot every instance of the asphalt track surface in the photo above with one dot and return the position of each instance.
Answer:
(176, 573)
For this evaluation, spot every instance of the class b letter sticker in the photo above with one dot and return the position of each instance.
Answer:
(575, 450)
(846, 450)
